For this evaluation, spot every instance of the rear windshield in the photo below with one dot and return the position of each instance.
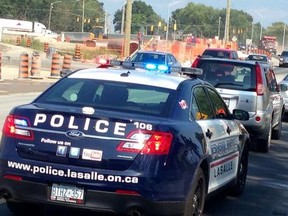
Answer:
(107, 95)
(258, 58)
(217, 53)
(284, 53)
(231, 75)
(148, 57)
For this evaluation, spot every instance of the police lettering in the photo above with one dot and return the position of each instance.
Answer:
(224, 148)
(222, 169)
(100, 126)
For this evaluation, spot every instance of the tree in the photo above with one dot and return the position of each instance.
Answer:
(143, 18)
(204, 21)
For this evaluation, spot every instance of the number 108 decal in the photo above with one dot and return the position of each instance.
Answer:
(143, 126)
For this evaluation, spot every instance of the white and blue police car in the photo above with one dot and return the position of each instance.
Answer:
(125, 142)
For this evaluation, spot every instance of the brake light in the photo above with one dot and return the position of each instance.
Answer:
(127, 192)
(147, 142)
(13, 177)
(17, 127)
(195, 63)
(259, 81)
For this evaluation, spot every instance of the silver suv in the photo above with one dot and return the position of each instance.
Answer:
(250, 86)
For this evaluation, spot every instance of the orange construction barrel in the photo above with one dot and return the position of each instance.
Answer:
(35, 65)
(23, 65)
(55, 66)
(67, 62)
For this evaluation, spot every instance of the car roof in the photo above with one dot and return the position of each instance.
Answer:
(220, 49)
(155, 52)
(225, 60)
(137, 76)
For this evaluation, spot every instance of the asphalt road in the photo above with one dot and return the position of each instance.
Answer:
(23, 86)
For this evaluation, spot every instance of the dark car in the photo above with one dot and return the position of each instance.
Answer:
(120, 141)
(220, 53)
(259, 57)
(283, 61)
(154, 60)
(251, 86)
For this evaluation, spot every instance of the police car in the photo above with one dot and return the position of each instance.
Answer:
(152, 60)
(124, 142)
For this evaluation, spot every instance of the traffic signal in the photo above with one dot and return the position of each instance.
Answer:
(175, 26)
(152, 28)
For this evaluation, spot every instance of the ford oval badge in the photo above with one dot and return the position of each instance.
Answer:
(74, 134)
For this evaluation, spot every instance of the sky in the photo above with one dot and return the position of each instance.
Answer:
(264, 11)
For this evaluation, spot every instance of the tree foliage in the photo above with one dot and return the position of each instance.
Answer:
(198, 19)
(143, 18)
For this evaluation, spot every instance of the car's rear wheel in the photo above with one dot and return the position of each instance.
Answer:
(238, 188)
(276, 133)
(196, 199)
(263, 145)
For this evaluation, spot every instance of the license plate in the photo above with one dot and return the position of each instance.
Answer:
(67, 193)
(227, 102)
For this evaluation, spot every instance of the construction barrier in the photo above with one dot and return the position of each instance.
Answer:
(67, 62)
(46, 45)
(28, 42)
(35, 65)
(77, 55)
(55, 66)
(23, 65)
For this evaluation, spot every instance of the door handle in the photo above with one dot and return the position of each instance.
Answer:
(209, 134)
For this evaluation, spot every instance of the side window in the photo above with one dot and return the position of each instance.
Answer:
(271, 80)
(172, 58)
(201, 107)
(219, 105)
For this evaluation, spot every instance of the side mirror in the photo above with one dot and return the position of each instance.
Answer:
(283, 87)
(241, 114)
(127, 58)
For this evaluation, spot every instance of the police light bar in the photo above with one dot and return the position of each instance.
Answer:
(191, 71)
(116, 63)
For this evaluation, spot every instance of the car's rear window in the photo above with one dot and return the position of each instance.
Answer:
(258, 58)
(217, 53)
(229, 75)
(107, 95)
(149, 58)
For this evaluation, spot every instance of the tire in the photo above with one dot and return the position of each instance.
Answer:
(23, 209)
(239, 187)
(263, 145)
(276, 132)
(196, 199)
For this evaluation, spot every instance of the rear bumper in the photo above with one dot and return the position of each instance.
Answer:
(98, 201)
(258, 129)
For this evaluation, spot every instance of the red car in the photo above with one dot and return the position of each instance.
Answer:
(221, 53)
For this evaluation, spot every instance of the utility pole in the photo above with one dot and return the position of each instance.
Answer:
(127, 28)
(123, 19)
(227, 23)
(219, 27)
